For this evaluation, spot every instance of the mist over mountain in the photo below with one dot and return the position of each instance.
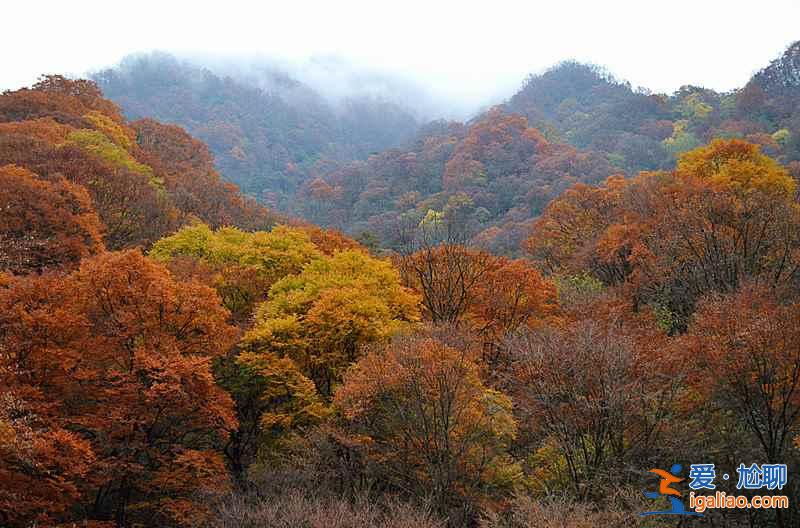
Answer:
(400, 264)
(338, 79)
(575, 123)
(368, 152)
(266, 128)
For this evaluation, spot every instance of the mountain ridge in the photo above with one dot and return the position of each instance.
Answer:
(352, 167)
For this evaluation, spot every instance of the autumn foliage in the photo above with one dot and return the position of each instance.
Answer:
(321, 317)
(373, 170)
(726, 214)
(44, 224)
(750, 342)
(241, 266)
(430, 424)
(139, 183)
(591, 390)
(108, 372)
(173, 354)
(491, 177)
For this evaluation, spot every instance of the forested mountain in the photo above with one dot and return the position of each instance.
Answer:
(368, 168)
(266, 133)
(489, 178)
(135, 181)
(110, 413)
(637, 130)
(173, 354)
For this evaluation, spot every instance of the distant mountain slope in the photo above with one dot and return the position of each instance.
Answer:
(487, 179)
(772, 99)
(782, 76)
(588, 108)
(264, 140)
(367, 166)
(82, 178)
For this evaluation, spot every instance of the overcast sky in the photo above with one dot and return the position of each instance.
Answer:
(470, 51)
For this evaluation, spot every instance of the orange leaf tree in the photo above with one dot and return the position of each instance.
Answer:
(745, 350)
(430, 425)
(590, 392)
(44, 224)
(726, 214)
(492, 296)
(114, 359)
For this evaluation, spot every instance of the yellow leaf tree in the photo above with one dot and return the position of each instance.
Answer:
(321, 317)
(240, 265)
(310, 330)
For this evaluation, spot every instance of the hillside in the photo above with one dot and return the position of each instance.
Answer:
(369, 168)
(551, 324)
(489, 178)
(163, 367)
(588, 108)
(266, 132)
(137, 180)
(574, 123)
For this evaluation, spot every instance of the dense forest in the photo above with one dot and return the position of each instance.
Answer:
(519, 318)
(496, 172)
(265, 133)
